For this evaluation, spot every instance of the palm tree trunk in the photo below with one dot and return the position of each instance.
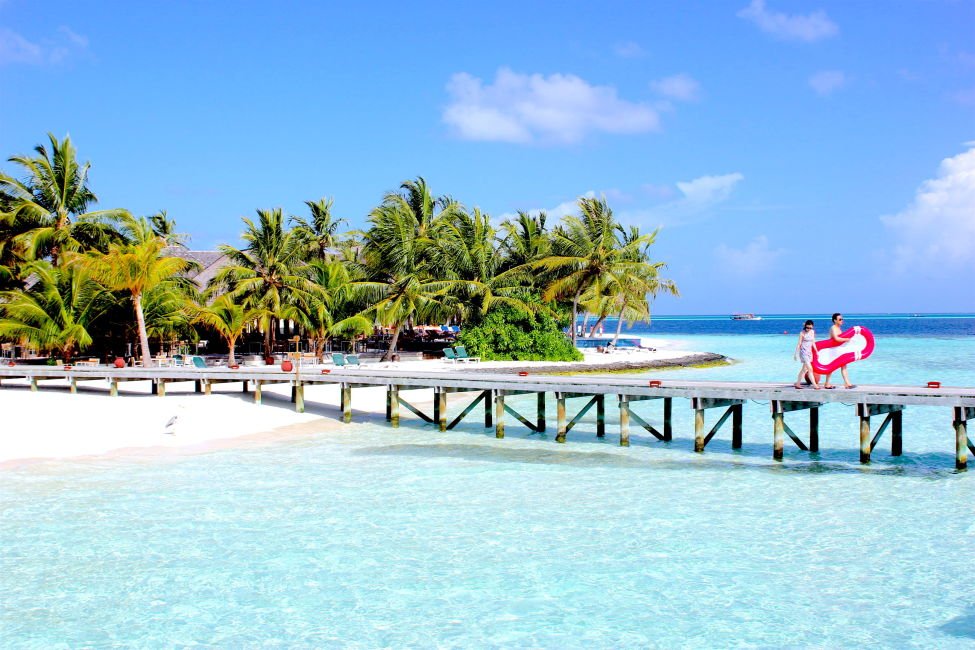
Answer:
(585, 321)
(232, 342)
(392, 344)
(268, 334)
(596, 325)
(143, 337)
(575, 317)
(619, 326)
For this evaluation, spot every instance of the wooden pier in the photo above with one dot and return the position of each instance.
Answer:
(728, 399)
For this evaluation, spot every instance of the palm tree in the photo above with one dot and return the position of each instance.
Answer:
(320, 232)
(401, 282)
(228, 319)
(58, 311)
(525, 239)
(165, 228)
(333, 305)
(268, 273)
(50, 207)
(136, 268)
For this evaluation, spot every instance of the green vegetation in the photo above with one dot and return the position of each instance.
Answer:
(73, 278)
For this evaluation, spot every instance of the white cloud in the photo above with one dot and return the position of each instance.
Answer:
(755, 258)
(528, 108)
(826, 82)
(681, 87)
(708, 190)
(938, 228)
(629, 50)
(14, 48)
(808, 29)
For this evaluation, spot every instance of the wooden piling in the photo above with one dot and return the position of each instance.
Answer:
(162, 388)
(540, 411)
(245, 387)
(154, 389)
(560, 424)
(600, 416)
(865, 439)
(736, 418)
(299, 390)
(74, 385)
(346, 402)
(207, 387)
(897, 434)
(440, 409)
(961, 438)
(699, 430)
(668, 419)
(814, 429)
(258, 384)
(392, 395)
(113, 387)
(488, 415)
(624, 420)
(499, 414)
(778, 435)
(198, 386)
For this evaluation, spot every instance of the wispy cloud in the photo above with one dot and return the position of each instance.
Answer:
(938, 228)
(681, 87)
(755, 258)
(523, 108)
(826, 82)
(629, 50)
(16, 49)
(804, 28)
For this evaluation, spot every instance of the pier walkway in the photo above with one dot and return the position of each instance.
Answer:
(727, 399)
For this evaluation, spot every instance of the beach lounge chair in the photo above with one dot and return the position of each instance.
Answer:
(199, 363)
(338, 359)
(352, 360)
(462, 355)
(449, 355)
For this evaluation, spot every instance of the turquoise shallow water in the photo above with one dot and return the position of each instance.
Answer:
(371, 537)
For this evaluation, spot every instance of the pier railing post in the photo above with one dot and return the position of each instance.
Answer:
(499, 414)
(624, 420)
(440, 408)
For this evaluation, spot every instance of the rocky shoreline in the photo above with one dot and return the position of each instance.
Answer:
(623, 364)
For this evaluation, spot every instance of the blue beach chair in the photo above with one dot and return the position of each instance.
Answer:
(449, 355)
(462, 355)
(338, 359)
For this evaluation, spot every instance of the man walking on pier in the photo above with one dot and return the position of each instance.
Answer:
(834, 333)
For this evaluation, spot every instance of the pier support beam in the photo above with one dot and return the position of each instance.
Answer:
(257, 390)
(198, 386)
(488, 415)
(540, 412)
(113, 387)
(392, 400)
(345, 402)
(962, 444)
(668, 419)
(499, 414)
(734, 409)
(624, 421)
(563, 427)
(780, 429)
(867, 444)
(299, 393)
(440, 408)
(74, 385)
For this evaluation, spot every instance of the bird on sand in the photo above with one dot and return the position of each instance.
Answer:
(171, 425)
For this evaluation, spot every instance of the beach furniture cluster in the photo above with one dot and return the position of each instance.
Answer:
(490, 390)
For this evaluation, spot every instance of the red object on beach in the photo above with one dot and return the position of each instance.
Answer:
(11, 364)
(829, 356)
(235, 367)
(934, 384)
(287, 366)
(119, 362)
(655, 383)
(268, 361)
(522, 374)
(325, 371)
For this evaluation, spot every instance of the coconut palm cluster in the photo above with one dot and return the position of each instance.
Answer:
(73, 278)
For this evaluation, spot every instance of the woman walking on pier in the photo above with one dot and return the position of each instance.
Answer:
(807, 337)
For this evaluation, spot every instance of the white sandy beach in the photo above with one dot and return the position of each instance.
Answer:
(53, 423)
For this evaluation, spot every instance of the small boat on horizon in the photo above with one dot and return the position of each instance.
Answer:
(745, 317)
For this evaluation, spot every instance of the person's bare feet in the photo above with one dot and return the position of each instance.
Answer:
(817, 386)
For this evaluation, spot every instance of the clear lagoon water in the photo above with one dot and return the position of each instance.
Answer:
(372, 537)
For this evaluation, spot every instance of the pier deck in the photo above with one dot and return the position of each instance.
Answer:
(729, 397)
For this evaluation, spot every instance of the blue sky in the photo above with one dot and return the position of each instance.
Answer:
(798, 156)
